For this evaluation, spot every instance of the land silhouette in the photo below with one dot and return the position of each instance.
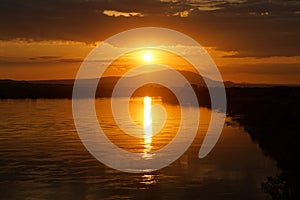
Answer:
(11, 89)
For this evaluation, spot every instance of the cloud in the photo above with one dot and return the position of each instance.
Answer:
(262, 73)
(225, 24)
(267, 69)
(184, 13)
(47, 57)
(8, 61)
(203, 5)
(114, 13)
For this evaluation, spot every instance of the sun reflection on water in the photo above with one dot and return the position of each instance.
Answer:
(147, 126)
(149, 179)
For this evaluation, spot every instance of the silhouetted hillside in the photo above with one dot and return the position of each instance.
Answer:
(24, 89)
(63, 88)
(271, 117)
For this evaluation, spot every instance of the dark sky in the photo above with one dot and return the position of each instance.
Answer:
(253, 28)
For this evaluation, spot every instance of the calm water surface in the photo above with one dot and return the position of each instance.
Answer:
(42, 157)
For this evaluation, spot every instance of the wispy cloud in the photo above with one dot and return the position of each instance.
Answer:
(114, 13)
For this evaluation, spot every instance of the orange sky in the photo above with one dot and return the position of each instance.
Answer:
(250, 41)
(61, 59)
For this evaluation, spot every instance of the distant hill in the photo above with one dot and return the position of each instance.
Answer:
(192, 77)
(131, 81)
(63, 88)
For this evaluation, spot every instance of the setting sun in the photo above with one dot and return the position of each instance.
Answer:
(147, 57)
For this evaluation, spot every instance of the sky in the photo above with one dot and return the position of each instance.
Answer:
(250, 41)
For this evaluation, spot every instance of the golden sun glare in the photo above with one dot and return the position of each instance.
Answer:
(147, 57)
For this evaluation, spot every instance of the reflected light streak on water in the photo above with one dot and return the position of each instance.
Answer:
(147, 126)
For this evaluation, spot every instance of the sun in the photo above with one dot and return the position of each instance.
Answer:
(147, 57)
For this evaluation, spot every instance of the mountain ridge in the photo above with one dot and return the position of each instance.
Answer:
(108, 81)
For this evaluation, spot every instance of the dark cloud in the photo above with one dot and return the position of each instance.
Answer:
(70, 60)
(252, 28)
(47, 57)
(267, 69)
(5, 61)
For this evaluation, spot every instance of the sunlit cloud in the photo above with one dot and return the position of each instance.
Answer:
(184, 13)
(202, 5)
(114, 13)
(209, 8)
